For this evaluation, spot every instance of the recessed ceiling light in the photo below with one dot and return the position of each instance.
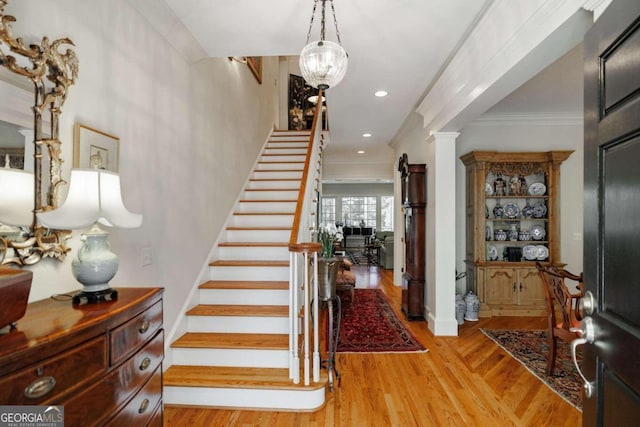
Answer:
(366, 135)
(381, 93)
(360, 151)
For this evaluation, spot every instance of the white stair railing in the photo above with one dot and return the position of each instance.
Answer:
(303, 253)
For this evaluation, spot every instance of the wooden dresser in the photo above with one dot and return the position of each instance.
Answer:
(102, 362)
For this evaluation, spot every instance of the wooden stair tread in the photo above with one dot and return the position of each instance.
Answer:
(245, 284)
(232, 341)
(254, 244)
(269, 201)
(285, 162)
(233, 377)
(248, 263)
(274, 179)
(259, 228)
(277, 170)
(239, 310)
(272, 189)
(263, 213)
(302, 147)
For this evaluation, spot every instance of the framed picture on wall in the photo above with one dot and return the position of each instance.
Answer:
(255, 65)
(94, 149)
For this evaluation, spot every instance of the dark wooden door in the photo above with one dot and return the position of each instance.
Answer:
(612, 216)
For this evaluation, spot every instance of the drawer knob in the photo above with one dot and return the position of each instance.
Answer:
(40, 387)
(143, 406)
(145, 327)
(145, 363)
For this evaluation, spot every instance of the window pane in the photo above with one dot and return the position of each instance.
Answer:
(357, 209)
(327, 211)
(386, 213)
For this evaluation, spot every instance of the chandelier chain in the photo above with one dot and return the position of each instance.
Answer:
(322, 20)
(335, 21)
(313, 14)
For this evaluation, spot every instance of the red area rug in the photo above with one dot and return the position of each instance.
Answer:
(530, 348)
(369, 325)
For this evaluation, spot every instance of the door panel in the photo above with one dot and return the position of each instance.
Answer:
(612, 215)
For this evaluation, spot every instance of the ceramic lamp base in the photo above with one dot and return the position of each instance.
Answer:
(84, 297)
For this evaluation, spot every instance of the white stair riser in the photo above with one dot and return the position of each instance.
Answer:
(244, 296)
(269, 206)
(271, 195)
(257, 253)
(276, 174)
(289, 150)
(284, 220)
(258, 235)
(250, 358)
(238, 324)
(249, 273)
(245, 398)
(270, 166)
(282, 157)
(274, 185)
(297, 145)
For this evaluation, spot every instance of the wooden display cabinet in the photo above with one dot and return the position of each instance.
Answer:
(517, 193)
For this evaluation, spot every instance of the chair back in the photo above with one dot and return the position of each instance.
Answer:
(559, 298)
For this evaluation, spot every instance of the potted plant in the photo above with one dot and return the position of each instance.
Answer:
(328, 263)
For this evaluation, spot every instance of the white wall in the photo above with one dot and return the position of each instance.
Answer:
(189, 134)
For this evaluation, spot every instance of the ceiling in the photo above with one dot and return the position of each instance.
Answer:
(396, 45)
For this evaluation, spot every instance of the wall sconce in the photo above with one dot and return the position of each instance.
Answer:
(94, 197)
(240, 59)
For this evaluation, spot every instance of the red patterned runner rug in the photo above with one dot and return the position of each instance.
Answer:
(369, 325)
(530, 348)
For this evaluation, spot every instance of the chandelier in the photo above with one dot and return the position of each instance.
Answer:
(323, 63)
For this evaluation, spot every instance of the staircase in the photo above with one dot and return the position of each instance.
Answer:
(236, 349)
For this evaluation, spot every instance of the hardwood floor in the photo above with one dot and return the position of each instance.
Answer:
(461, 381)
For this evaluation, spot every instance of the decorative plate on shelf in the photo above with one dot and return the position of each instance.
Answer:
(511, 210)
(537, 232)
(488, 189)
(492, 253)
(487, 233)
(537, 189)
(530, 252)
(539, 210)
(543, 252)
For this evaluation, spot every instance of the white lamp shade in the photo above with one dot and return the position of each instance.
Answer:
(94, 195)
(16, 197)
(323, 64)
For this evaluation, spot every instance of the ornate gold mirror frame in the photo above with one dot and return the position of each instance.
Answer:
(52, 72)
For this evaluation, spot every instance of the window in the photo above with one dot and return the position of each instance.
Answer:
(327, 211)
(357, 209)
(386, 213)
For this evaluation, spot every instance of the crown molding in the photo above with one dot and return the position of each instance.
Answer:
(533, 119)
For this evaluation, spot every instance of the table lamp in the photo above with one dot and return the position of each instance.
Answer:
(94, 197)
(16, 196)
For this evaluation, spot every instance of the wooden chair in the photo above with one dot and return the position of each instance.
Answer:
(560, 301)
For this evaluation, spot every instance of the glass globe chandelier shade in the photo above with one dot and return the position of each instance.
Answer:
(323, 64)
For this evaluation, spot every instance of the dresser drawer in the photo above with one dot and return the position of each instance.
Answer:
(94, 405)
(141, 409)
(127, 338)
(48, 380)
(156, 418)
